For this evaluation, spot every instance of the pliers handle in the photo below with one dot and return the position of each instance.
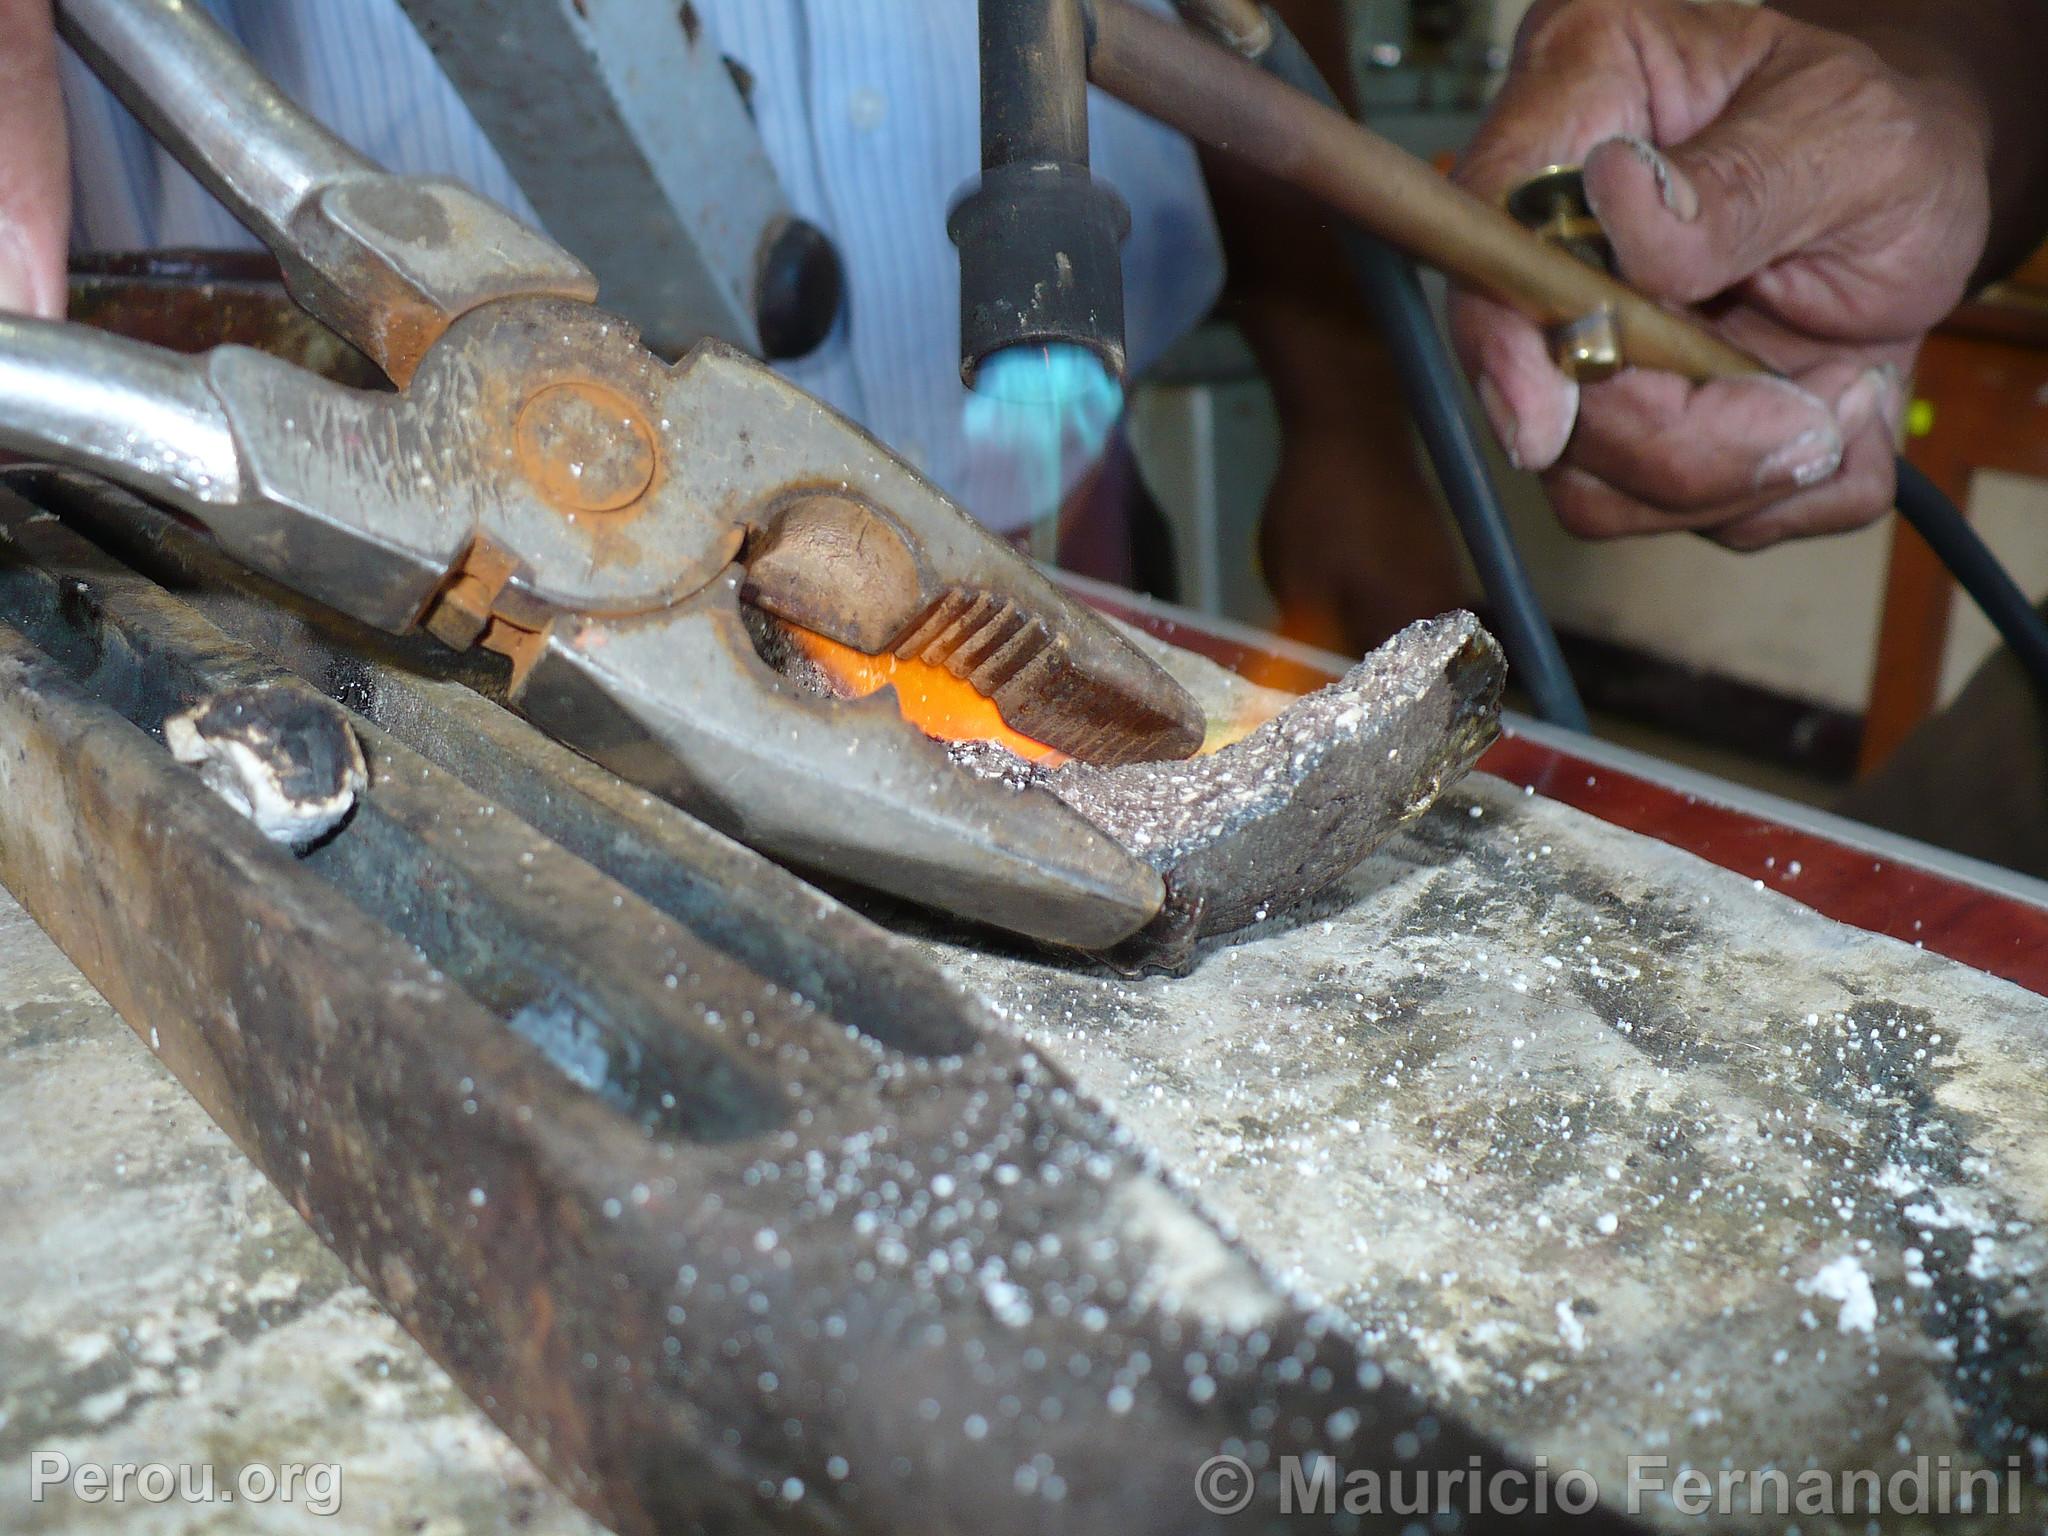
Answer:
(388, 262)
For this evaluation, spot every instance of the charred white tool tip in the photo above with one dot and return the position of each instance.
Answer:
(286, 760)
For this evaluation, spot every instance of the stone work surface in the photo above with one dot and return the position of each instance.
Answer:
(1613, 1152)
(159, 1302)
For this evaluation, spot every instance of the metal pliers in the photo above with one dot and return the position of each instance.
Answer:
(541, 484)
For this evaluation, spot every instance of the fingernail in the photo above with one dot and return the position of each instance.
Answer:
(1678, 193)
(1506, 430)
(1807, 460)
(1868, 398)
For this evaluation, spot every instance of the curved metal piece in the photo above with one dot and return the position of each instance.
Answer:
(388, 261)
(1272, 820)
(849, 789)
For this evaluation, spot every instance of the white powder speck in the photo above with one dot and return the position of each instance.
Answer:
(1569, 1328)
(1844, 1281)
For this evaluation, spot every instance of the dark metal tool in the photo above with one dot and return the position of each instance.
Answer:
(726, 1207)
(544, 487)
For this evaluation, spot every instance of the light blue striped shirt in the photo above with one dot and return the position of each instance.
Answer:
(868, 111)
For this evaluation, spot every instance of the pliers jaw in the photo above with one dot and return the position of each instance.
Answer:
(846, 788)
(818, 524)
(544, 486)
(847, 541)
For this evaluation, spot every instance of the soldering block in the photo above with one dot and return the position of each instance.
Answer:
(1257, 827)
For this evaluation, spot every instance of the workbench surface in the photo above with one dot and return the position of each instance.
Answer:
(1615, 1152)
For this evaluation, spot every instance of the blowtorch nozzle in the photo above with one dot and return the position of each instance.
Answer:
(1039, 265)
(1039, 235)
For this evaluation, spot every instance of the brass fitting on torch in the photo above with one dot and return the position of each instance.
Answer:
(1553, 204)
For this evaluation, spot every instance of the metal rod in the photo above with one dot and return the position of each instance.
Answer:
(1034, 83)
(1230, 104)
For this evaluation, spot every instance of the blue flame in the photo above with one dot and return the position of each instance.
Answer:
(1037, 405)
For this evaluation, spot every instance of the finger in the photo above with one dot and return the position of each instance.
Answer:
(1592, 505)
(1531, 407)
(1693, 447)
(35, 203)
(1777, 168)
(1591, 508)
(1859, 493)
(1576, 82)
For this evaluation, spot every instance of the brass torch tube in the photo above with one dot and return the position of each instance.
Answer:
(1230, 104)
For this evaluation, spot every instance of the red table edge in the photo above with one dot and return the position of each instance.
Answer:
(1877, 891)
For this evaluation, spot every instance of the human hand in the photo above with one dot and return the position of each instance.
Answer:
(35, 193)
(1823, 208)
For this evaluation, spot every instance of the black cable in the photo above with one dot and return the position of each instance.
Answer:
(1430, 381)
(1976, 569)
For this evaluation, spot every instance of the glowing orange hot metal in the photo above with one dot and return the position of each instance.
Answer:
(931, 698)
